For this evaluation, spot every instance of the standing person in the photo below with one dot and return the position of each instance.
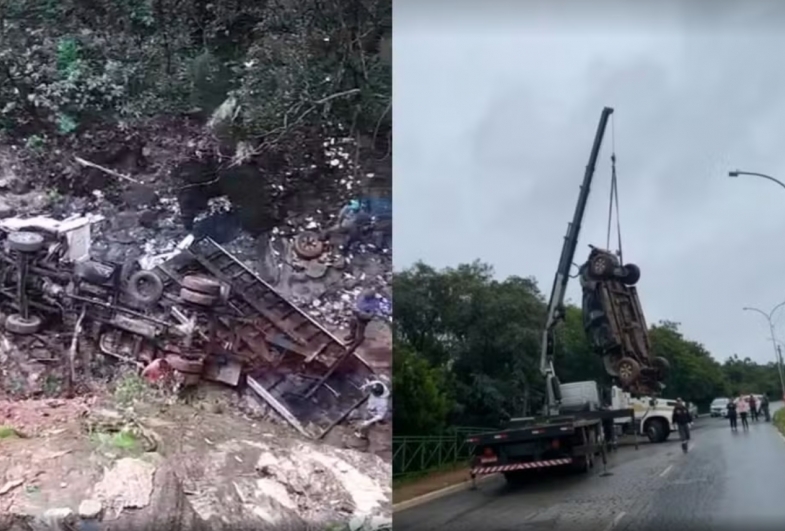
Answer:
(682, 419)
(743, 406)
(732, 414)
(764, 408)
(753, 408)
(376, 408)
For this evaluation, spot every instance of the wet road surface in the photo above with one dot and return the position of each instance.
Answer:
(727, 481)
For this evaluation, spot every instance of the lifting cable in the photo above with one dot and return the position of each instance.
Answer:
(614, 199)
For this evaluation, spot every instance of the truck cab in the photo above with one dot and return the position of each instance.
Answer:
(653, 417)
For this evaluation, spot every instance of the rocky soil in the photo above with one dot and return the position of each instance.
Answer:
(133, 458)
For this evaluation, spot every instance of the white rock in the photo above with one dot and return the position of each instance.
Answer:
(90, 509)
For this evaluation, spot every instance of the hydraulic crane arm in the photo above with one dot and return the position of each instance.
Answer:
(556, 303)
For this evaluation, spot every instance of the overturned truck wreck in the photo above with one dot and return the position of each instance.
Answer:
(615, 324)
(199, 312)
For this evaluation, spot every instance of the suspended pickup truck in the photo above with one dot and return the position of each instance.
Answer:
(615, 324)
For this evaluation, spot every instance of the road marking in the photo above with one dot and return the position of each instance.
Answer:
(615, 521)
(664, 472)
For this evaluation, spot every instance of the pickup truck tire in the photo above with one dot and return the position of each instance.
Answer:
(656, 430)
(628, 370)
(145, 287)
(16, 324)
(25, 242)
(632, 274)
(308, 245)
(601, 266)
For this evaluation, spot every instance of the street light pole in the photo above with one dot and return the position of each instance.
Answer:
(736, 173)
(777, 355)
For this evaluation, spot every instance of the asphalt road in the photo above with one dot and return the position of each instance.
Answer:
(726, 481)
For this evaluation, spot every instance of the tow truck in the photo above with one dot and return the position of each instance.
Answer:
(574, 426)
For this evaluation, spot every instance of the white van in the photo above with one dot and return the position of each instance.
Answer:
(719, 407)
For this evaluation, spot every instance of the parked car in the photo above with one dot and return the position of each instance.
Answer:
(719, 407)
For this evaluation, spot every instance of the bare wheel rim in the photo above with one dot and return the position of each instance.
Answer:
(625, 371)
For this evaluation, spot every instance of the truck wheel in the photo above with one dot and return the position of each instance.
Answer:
(145, 287)
(200, 299)
(582, 463)
(628, 370)
(25, 242)
(656, 431)
(16, 324)
(200, 284)
(632, 274)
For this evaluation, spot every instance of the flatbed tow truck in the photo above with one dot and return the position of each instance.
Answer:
(565, 435)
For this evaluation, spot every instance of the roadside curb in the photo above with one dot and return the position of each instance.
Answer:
(441, 493)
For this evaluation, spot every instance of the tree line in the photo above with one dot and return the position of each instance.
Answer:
(467, 349)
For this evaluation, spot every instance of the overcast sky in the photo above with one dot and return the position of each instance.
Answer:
(495, 111)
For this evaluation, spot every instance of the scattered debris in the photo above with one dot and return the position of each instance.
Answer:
(197, 313)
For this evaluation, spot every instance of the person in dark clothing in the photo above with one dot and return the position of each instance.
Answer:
(366, 307)
(753, 408)
(732, 415)
(682, 419)
(764, 408)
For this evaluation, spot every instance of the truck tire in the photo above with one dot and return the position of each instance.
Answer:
(200, 299)
(632, 274)
(200, 284)
(628, 370)
(16, 324)
(145, 287)
(25, 242)
(657, 430)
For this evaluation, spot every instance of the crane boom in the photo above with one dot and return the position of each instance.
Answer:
(556, 303)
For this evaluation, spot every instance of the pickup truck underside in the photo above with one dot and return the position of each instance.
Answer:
(615, 324)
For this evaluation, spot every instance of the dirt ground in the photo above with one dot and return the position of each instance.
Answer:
(150, 461)
(408, 490)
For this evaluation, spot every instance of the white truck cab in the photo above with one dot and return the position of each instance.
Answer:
(653, 416)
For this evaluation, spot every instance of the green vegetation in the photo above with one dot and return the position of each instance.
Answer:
(779, 420)
(467, 352)
(289, 72)
(7, 432)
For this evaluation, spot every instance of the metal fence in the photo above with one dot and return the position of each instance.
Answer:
(416, 455)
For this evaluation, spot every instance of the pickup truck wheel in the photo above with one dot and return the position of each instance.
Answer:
(656, 431)
(308, 245)
(632, 274)
(628, 370)
(601, 266)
